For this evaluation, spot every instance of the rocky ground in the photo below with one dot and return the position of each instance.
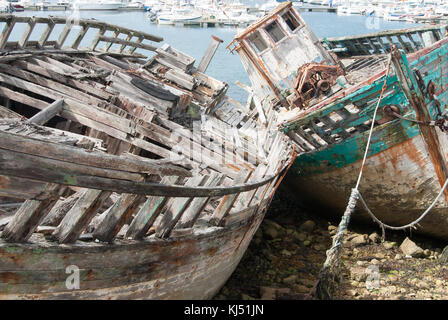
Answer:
(287, 252)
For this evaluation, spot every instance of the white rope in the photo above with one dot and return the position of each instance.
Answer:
(373, 123)
(382, 224)
(409, 225)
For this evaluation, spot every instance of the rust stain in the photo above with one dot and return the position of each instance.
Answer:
(9, 277)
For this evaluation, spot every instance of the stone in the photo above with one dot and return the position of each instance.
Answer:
(361, 263)
(398, 256)
(392, 277)
(444, 255)
(290, 280)
(422, 285)
(268, 222)
(285, 253)
(380, 256)
(299, 236)
(319, 247)
(308, 226)
(389, 245)
(268, 293)
(409, 248)
(306, 243)
(358, 274)
(374, 261)
(307, 282)
(374, 237)
(359, 240)
(301, 288)
(352, 292)
(270, 232)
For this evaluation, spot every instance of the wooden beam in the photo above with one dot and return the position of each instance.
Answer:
(176, 208)
(209, 54)
(48, 113)
(80, 215)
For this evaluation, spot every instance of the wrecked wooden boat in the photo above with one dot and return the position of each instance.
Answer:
(325, 93)
(123, 176)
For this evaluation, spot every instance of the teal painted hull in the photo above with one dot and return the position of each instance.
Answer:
(400, 179)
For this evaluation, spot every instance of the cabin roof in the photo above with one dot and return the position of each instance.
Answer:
(262, 21)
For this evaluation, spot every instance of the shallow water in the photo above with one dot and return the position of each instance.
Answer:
(194, 40)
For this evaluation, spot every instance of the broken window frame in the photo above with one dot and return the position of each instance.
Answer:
(279, 26)
(293, 18)
(252, 43)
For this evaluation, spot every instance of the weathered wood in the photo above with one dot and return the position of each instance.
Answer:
(46, 34)
(79, 215)
(26, 34)
(80, 36)
(209, 54)
(194, 210)
(10, 23)
(76, 156)
(227, 201)
(148, 213)
(59, 210)
(176, 208)
(64, 34)
(127, 43)
(49, 112)
(116, 217)
(29, 215)
(9, 114)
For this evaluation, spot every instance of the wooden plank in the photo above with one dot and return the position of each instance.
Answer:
(8, 114)
(80, 36)
(132, 50)
(108, 45)
(10, 23)
(59, 210)
(209, 54)
(28, 216)
(127, 43)
(102, 161)
(64, 34)
(80, 215)
(46, 34)
(116, 217)
(96, 40)
(27, 33)
(194, 210)
(176, 207)
(45, 69)
(148, 213)
(49, 112)
(227, 201)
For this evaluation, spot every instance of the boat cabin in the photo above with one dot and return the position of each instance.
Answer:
(280, 52)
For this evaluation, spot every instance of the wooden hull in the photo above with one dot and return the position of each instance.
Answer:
(189, 267)
(401, 178)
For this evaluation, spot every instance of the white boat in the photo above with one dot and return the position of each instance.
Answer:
(96, 5)
(5, 6)
(442, 10)
(235, 17)
(179, 15)
(135, 5)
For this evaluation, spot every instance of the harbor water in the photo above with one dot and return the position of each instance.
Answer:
(194, 40)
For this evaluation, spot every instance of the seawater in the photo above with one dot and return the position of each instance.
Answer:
(194, 40)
